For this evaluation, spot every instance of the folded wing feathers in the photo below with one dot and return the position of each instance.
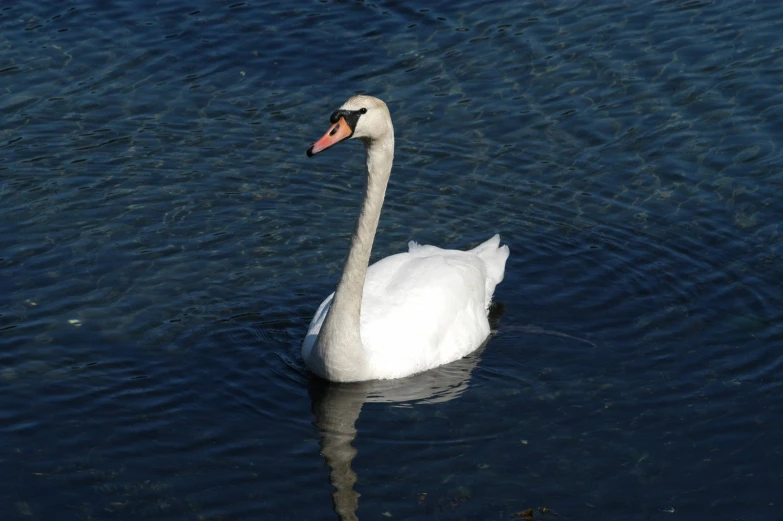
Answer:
(490, 251)
(494, 257)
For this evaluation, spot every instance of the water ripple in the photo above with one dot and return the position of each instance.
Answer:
(164, 243)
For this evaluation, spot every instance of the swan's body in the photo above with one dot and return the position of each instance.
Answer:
(408, 312)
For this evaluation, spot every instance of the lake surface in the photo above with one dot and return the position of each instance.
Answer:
(164, 242)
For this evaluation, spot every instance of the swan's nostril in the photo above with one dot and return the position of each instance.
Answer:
(334, 130)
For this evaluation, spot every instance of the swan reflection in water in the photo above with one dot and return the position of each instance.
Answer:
(336, 407)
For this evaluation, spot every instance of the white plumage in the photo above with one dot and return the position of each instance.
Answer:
(416, 310)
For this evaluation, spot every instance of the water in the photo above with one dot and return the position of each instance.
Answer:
(164, 242)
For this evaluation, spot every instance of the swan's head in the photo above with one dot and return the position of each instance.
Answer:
(363, 117)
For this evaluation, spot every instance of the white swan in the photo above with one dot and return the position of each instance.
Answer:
(408, 312)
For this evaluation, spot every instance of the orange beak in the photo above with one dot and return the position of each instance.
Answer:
(334, 135)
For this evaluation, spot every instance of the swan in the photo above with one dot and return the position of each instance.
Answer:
(409, 312)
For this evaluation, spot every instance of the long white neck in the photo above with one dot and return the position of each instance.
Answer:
(339, 341)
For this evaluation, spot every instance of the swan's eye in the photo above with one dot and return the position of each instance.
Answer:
(363, 110)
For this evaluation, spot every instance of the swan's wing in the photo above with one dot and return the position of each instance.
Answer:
(315, 326)
(494, 257)
(490, 252)
(426, 307)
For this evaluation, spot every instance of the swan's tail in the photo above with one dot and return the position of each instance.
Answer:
(494, 256)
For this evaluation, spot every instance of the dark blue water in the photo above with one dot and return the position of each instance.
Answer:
(164, 242)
